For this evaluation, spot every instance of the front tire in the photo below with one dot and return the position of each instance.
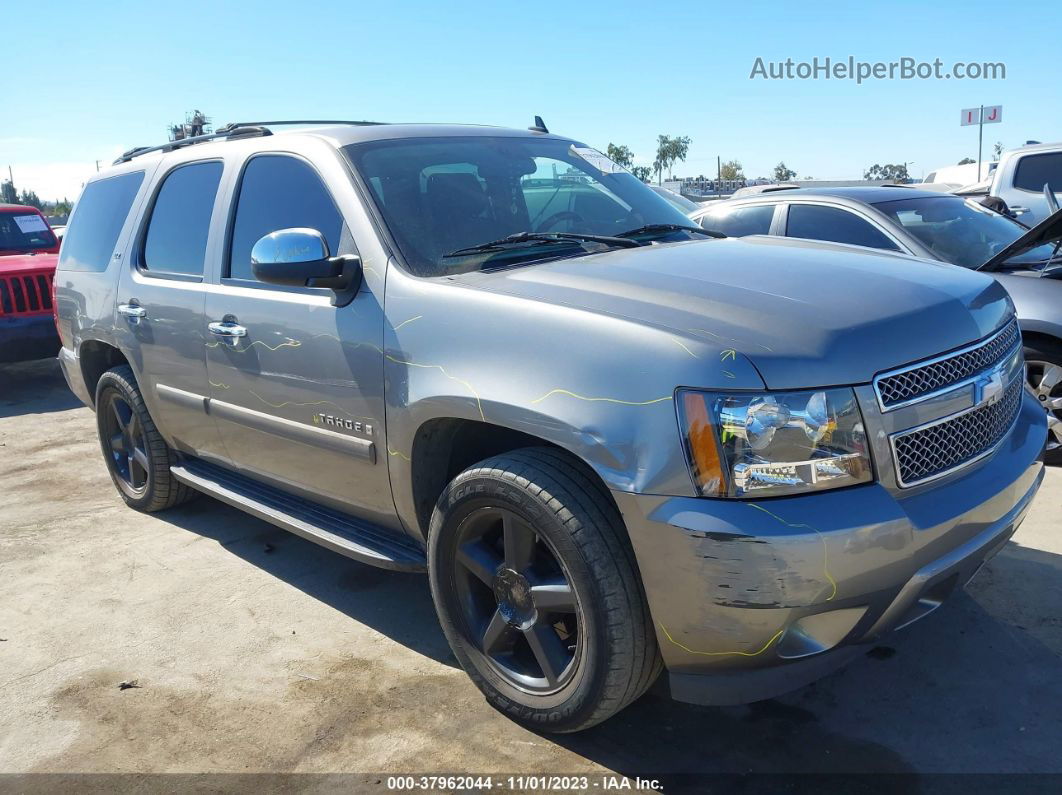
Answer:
(538, 592)
(1043, 367)
(137, 457)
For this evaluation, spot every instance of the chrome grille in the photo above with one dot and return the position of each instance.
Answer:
(932, 450)
(898, 388)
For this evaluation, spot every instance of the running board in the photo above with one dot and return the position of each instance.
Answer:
(337, 531)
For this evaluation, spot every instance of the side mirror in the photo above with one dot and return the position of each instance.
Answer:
(299, 257)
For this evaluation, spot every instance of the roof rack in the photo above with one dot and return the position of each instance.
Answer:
(233, 130)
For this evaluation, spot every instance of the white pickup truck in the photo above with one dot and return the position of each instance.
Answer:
(1020, 177)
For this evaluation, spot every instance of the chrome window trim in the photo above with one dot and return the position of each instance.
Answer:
(941, 358)
(903, 484)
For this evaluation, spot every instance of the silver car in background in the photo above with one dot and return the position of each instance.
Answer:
(933, 226)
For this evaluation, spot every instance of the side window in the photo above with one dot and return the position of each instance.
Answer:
(740, 221)
(1035, 171)
(177, 232)
(818, 222)
(98, 219)
(279, 192)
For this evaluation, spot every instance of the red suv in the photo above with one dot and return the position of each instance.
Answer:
(28, 253)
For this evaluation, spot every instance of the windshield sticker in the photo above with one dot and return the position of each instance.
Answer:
(599, 161)
(31, 223)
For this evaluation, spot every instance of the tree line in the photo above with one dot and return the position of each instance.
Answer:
(9, 194)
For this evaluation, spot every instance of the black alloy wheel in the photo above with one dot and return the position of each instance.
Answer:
(122, 430)
(518, 603)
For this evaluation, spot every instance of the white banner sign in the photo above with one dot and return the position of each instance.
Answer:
(993, 114)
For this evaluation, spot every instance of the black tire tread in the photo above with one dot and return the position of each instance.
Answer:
(165, 490)
(581, 505)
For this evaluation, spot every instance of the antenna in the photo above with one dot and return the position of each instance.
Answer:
(540, 126)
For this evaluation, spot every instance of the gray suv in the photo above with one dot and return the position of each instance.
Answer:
(615, 443)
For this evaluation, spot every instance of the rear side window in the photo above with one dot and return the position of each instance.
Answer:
(279, 192)
(818, 222)
(177, 233)
(740, 221)
(1035, 171)
(98, 219)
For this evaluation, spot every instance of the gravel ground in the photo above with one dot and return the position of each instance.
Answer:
(255, 651)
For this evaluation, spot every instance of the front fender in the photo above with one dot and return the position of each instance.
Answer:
(599, 386)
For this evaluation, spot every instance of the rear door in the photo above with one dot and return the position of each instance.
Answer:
(299, 395)
(161, 295)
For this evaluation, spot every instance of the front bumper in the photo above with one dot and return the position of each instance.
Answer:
(752, 599)
(27, 337)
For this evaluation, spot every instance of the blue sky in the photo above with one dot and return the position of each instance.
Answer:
(104, 77)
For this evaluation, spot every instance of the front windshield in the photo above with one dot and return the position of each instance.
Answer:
(961, 231)
(676, 200)
(441, 195)
(24, 231)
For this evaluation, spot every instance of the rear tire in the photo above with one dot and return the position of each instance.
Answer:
(137, 457)
(538, 593)
(1043, 365)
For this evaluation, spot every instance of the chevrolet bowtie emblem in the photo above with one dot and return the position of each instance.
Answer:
(988, 388)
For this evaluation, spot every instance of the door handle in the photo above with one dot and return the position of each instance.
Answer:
(133, 312)
(1019, 210)
(227, 330)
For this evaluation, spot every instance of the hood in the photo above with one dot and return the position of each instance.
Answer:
(17, 264)
(1048, 230)
(805, 314)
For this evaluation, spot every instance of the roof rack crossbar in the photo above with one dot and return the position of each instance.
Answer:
(362, 123)
(169, 146)
(236, 129)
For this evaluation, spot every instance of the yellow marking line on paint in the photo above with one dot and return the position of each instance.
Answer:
(766, 646)
(311, 403)
(401, 455)
(729, 353)
(822, 538)
(407, 322)
(441, 369)
(677, 342)
(219, 385)
(289, 344)
(601, 399)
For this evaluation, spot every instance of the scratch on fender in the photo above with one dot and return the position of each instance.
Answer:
(766, 646)
(398, 453)
(822, 538)
(441, 369)
(601, 399)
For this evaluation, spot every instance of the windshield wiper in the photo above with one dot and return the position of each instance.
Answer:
(650, 229)
(543, 237)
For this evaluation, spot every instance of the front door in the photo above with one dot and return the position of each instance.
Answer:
(297, 383)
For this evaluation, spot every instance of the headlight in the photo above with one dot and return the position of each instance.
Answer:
(771, 443)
